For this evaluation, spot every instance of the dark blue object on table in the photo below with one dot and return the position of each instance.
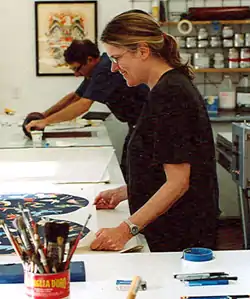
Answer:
(13, 273)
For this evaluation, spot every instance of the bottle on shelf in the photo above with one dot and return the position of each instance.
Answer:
(243, 93)
(226, 94)
(156, 10)
(244, 81)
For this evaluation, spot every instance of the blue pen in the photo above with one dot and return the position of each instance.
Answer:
(218, 297)
(195, 283)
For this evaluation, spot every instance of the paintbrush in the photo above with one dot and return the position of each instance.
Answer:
(33, 230)
(63, 231)
(27, 243)
(134, 287)
(77, 240)
(12, 239)
(27, 224)
(19, 225)
(56, 235)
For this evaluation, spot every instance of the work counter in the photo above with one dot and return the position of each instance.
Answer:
(230, 116)
(157, 269)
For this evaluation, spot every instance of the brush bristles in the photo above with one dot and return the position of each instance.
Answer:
(54, 230)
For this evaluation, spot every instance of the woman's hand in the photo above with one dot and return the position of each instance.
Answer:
(113, 239)
(110, 199)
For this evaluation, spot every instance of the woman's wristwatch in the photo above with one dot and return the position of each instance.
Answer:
(134, 229)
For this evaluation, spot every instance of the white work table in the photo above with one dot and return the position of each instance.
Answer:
(12, 135)
(79, 171)
(60, 165)
(157, 269)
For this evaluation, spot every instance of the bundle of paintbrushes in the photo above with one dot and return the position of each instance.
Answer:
(37, 256)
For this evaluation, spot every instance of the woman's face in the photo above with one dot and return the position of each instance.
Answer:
(127, 62)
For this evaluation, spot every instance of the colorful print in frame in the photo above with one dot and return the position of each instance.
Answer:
(57, 24)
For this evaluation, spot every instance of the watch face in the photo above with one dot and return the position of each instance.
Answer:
(134, 230)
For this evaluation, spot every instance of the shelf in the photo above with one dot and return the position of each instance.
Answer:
(222, 22)
(224, 70)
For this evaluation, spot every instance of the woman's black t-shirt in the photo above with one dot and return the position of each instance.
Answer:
(174, 128)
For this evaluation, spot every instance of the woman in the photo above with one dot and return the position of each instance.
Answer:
(172, 185)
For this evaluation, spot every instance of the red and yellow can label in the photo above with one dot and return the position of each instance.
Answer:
(50, 286)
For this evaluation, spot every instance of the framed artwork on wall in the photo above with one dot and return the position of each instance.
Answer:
(57, 24)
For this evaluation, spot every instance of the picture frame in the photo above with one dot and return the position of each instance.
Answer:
(57, 24)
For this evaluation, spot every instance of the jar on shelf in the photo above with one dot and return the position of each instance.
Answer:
(203, 43)
(233, 58)
(202, 34)
(219, 61)
(191, 42)
(228, 43)
(245, 58)
(247, 39)
(181, 41)
(239, 40)
(215, 42)
(201, 60)
(227, 32)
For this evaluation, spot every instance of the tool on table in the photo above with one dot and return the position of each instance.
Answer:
(134, 287)
(12, 239)
(201, 275)
(36, 256)
(74, 246)
(56, 237)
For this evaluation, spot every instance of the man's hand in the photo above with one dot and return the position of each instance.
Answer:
(110, 199)
(36, 124)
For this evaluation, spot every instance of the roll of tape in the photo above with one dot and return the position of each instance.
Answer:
(185, 27)
(197, 254)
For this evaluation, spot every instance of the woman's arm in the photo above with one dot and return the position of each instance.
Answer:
(176, 185)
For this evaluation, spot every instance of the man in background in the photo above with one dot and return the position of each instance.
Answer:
(100, 84)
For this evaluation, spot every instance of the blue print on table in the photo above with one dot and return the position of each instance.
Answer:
(41, 206)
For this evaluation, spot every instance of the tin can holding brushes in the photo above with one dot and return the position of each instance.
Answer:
(49, 286)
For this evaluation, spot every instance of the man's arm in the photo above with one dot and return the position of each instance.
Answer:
(63, 103)
(68, 113)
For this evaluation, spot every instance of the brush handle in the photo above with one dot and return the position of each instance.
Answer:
(134, 287)
(73, 249)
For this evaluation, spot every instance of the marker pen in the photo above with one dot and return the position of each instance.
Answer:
(199, 275)
(194, 283)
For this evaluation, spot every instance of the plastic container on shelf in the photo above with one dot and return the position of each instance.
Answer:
(244, 81)
(201, 60)
(219, 60)
(228, 43)
(233, 58)
(243, 93)
(215, 42)
(247, 39)
(191, 42)
(227, 94)
(181, 41)
(239, 40)
(245, 58)
(202, 34)
(227, 32)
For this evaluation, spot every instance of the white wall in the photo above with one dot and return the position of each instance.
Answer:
(17, 59)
